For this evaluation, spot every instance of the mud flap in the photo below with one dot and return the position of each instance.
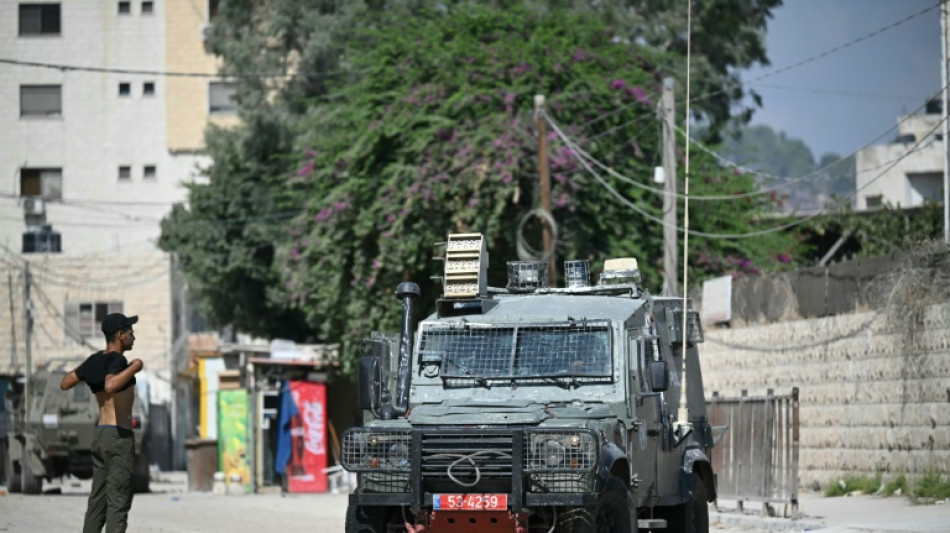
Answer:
(694, 460)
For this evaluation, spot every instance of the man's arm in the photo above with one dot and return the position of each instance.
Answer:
(115, 382)
(69, 381)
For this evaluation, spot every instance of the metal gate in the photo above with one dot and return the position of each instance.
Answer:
(756, 458)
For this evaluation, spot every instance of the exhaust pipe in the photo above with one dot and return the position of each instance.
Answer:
(407, 292)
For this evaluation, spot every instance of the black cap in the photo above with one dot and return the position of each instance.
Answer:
(117, 321)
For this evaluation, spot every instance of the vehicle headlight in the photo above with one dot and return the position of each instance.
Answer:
(399, 454)
(552, 452)
(366, 450)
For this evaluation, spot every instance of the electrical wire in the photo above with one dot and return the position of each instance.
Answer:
(792, 347)
(725, 236)
(785, 182)
(173, 74)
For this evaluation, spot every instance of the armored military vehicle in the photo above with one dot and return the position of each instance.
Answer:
(532, 408)
(53, 432)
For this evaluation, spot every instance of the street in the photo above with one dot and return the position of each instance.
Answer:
(170, 508)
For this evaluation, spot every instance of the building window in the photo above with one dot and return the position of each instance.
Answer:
(125, 8)
(82, 320)
(125, 173)
(47, 183)
(221, 98)
(39, 19)
(125, 88)
(149, 172)
(39, 239)
(148, 8)
(41, 100)
(212, 9)
(874, 201)
(148, 88)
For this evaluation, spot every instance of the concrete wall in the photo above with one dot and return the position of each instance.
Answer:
(873, 397)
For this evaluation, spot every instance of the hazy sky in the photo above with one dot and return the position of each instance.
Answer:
(839, 103)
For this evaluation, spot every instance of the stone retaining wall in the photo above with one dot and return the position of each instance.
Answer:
(873, 396)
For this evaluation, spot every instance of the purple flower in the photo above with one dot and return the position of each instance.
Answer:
(579, 54)
(295, 253)
(784, 258)
(640, 95)
(510, 98)
(306, 169)
(618, 84)
(323, 215)
(377, 264)
(520, 69)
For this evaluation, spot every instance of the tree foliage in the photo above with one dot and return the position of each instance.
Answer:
(335, 187)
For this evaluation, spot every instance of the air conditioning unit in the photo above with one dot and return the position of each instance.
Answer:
(34, 206)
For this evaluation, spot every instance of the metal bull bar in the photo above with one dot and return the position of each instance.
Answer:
(756, 456)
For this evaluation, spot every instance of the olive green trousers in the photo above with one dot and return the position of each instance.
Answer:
(113, 464)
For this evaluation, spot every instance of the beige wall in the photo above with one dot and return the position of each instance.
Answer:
(870, 402)
(141, 280)
(187, 97)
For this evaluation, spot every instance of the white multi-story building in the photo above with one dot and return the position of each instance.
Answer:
(906, 172)
(102, 111)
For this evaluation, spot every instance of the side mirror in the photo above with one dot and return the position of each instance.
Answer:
(659, 376)
(370, 382)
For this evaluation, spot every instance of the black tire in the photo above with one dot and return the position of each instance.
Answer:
(365, 519)
(614, 513)
(31, 484)
(140, 477)
(574, 520)
(13, 474)
(692, 516)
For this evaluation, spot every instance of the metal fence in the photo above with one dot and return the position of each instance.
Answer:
(756, 458)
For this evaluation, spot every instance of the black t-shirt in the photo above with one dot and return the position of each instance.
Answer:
(98, 365)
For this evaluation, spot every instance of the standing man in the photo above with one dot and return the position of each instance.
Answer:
(111, 378)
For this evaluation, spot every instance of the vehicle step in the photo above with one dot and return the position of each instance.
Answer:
(651, 523)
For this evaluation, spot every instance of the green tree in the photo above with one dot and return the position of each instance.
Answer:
(424, 128)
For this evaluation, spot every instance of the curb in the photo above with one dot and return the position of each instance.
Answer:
(755, 522)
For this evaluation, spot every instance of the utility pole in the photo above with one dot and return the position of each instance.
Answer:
(28, 333)
(945, 76)
(545, 186)
(668, 115)
(13, 355)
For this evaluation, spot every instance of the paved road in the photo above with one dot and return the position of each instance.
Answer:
(171, 509)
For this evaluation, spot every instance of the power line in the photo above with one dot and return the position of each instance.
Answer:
(785, 182)
(724, 236)
(828, 52)
(173, 74)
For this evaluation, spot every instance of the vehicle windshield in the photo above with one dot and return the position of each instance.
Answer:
(580, 349)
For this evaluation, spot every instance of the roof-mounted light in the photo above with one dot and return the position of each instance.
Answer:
(577, 273)
(526, 276)
(620, 271)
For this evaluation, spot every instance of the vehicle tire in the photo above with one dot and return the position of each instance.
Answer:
(13, 474)
(31, 484)
(615, 511)
(574, 520)
(692, 516)
(140, 477)
(366, 519)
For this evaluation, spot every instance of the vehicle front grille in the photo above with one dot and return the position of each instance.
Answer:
(467, 460)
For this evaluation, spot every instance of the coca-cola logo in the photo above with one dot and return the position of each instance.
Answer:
(313, 417)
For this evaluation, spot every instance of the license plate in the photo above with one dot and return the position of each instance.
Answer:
(470, 502)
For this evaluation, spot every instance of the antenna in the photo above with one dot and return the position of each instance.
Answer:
(683, 414)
